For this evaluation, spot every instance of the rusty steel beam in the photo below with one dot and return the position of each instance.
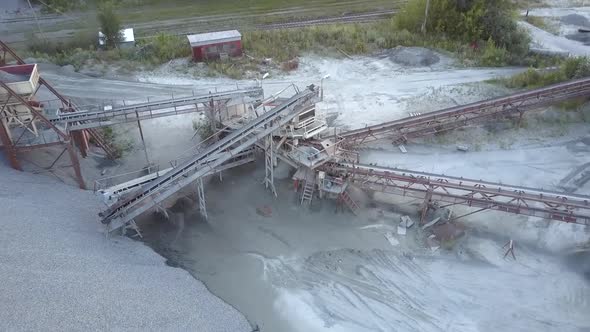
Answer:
(9, 148)
(401, 130)
(68, 105)
(63, 138)
(484, 195)
(37, 114)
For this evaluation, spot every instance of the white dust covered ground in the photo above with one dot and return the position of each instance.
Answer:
(58, 272)
(318, 270)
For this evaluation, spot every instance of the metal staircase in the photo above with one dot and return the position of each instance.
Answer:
(102, 143)
(206, 161)
(307, 194)
(344, 198)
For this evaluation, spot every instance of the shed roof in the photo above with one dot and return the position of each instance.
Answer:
(214, 37)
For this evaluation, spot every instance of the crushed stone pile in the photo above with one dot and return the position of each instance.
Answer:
(575, 19)
(60, 273)
(413, 56)
(11, 78)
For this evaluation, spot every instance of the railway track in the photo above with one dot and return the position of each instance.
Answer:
(361, 18)
(248, 26)
(200, 25)
(31, 19)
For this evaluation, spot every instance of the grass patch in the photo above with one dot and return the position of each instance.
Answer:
(537, 21)
(567, 69)
(158, 10)
(542, 23)
(362, 39)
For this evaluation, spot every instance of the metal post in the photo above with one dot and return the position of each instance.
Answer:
(8, 146)
(426, 206)
(75, 164)
(201, 196)
(147, 159)
(268, 164)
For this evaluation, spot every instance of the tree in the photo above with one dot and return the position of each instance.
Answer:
(110, 24)
(470, 21)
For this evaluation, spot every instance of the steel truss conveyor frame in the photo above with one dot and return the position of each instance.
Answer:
(206, 161)
(149, 110)
(483, 195)
(430, 123)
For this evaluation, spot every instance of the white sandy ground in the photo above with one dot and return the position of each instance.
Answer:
(320, 271)
(544, 40)
(58, 272)
(323, 271)
(364, 90)
(547, 41)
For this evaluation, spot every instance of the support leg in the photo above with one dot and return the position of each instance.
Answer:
(9, 148)
(75, 164)
(426, 205)
(147, 159)
(201, 196)
(269, 164)
(78, 137)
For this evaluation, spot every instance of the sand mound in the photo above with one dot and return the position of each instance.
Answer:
(413, 56)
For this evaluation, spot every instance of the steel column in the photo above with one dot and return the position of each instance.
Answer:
(75, 165)
(9, 148)
(269, 164)
(201, 196)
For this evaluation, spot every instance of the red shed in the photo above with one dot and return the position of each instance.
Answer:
(215, 45)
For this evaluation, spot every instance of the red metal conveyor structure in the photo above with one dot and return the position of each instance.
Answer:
(23, 124)
(436, 189)
(399, 131)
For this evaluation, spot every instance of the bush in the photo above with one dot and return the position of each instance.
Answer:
(162, 48)
(83, 39)
(469, 22)
(571, 68)
(110, 24)
(493, 56)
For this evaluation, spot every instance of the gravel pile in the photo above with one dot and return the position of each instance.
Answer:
(413, 56)
(11, 78)
(59, 272)
(575, 19)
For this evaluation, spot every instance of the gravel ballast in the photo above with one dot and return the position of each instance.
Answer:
(59, 272)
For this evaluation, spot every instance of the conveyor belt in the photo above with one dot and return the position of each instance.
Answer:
(435, 122)
(149, 110)
(207, 160)
(484, 195)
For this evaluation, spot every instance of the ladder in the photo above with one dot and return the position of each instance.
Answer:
(307, 194)
(345, 198)
(102, 143)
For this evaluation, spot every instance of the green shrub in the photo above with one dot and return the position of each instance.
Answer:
(163, 48)
(494, 56)
(570, 68)
(110, 24)
(82, 39)
(469, 22)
